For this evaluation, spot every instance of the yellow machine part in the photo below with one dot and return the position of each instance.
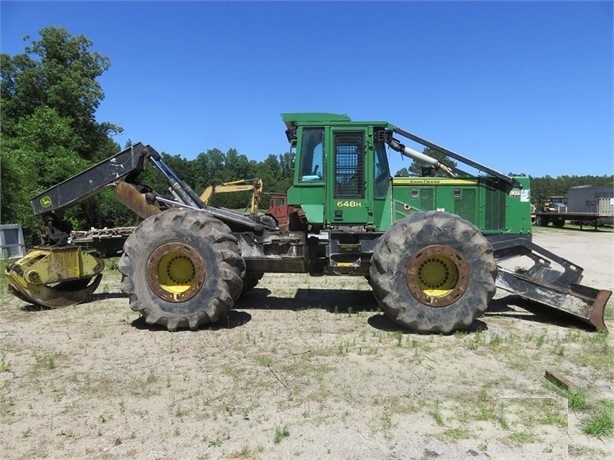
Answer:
(245, 185)
(55, 277)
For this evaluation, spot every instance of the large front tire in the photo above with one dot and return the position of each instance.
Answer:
(433, 272)
(181, 268)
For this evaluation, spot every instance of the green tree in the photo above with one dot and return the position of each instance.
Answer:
(48, 98)
(403, 172)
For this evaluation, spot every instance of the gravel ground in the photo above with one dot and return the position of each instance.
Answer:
(304, 368)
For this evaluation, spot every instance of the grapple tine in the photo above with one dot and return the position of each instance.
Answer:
(60, 295)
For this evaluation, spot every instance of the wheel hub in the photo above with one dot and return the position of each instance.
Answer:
(437, 275)
(175, 272)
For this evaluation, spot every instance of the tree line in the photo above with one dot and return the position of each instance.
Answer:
(49, 95)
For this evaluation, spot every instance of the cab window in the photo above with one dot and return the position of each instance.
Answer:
(381, 171)
(312, 155)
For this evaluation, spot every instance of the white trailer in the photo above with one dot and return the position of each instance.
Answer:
(598, 199)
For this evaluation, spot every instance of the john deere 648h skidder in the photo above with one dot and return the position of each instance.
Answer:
(431, 247)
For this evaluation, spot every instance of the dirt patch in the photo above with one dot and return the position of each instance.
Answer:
(306, 368)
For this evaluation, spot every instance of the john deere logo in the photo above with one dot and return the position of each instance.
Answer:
(46, 201)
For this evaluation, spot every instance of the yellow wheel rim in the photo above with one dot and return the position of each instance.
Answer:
(175, 272)
(437, 275)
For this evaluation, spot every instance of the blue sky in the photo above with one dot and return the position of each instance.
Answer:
(523, 87)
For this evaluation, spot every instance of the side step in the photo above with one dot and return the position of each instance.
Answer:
(555, 288)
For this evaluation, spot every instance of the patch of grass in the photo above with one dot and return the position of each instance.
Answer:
(601, 423)
(3, 280)
(44, 361)
(576, 400)
(104, 418)
(486, 407)
(522, 437)
(540, 340)
(281, 432)
(495, 340)
(457, 434)
(5, 366)
(436, 413)
(264, 360)
(180, 411)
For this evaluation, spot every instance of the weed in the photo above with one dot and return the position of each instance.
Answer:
(540, 340)
(4, 364)
(386, 420)
(601, 424)
(398, 337)
(501, 418)
(44, 361)
(281, 432)
(57, 393)
(264, 360)
(180, 411)
(151, 377)
(476, 341)
(217, 442)
(576, 400)
(495, 340)
(104, 418)
(436, 413)
(483, 403)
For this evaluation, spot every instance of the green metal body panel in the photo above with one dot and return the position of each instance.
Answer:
(342, 178)
(491, 207)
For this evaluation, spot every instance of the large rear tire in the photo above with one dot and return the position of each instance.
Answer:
(182, 268)
(433, 272)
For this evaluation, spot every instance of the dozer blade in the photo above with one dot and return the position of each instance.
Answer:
(582, 302)
(553, 282)
(54, 277)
